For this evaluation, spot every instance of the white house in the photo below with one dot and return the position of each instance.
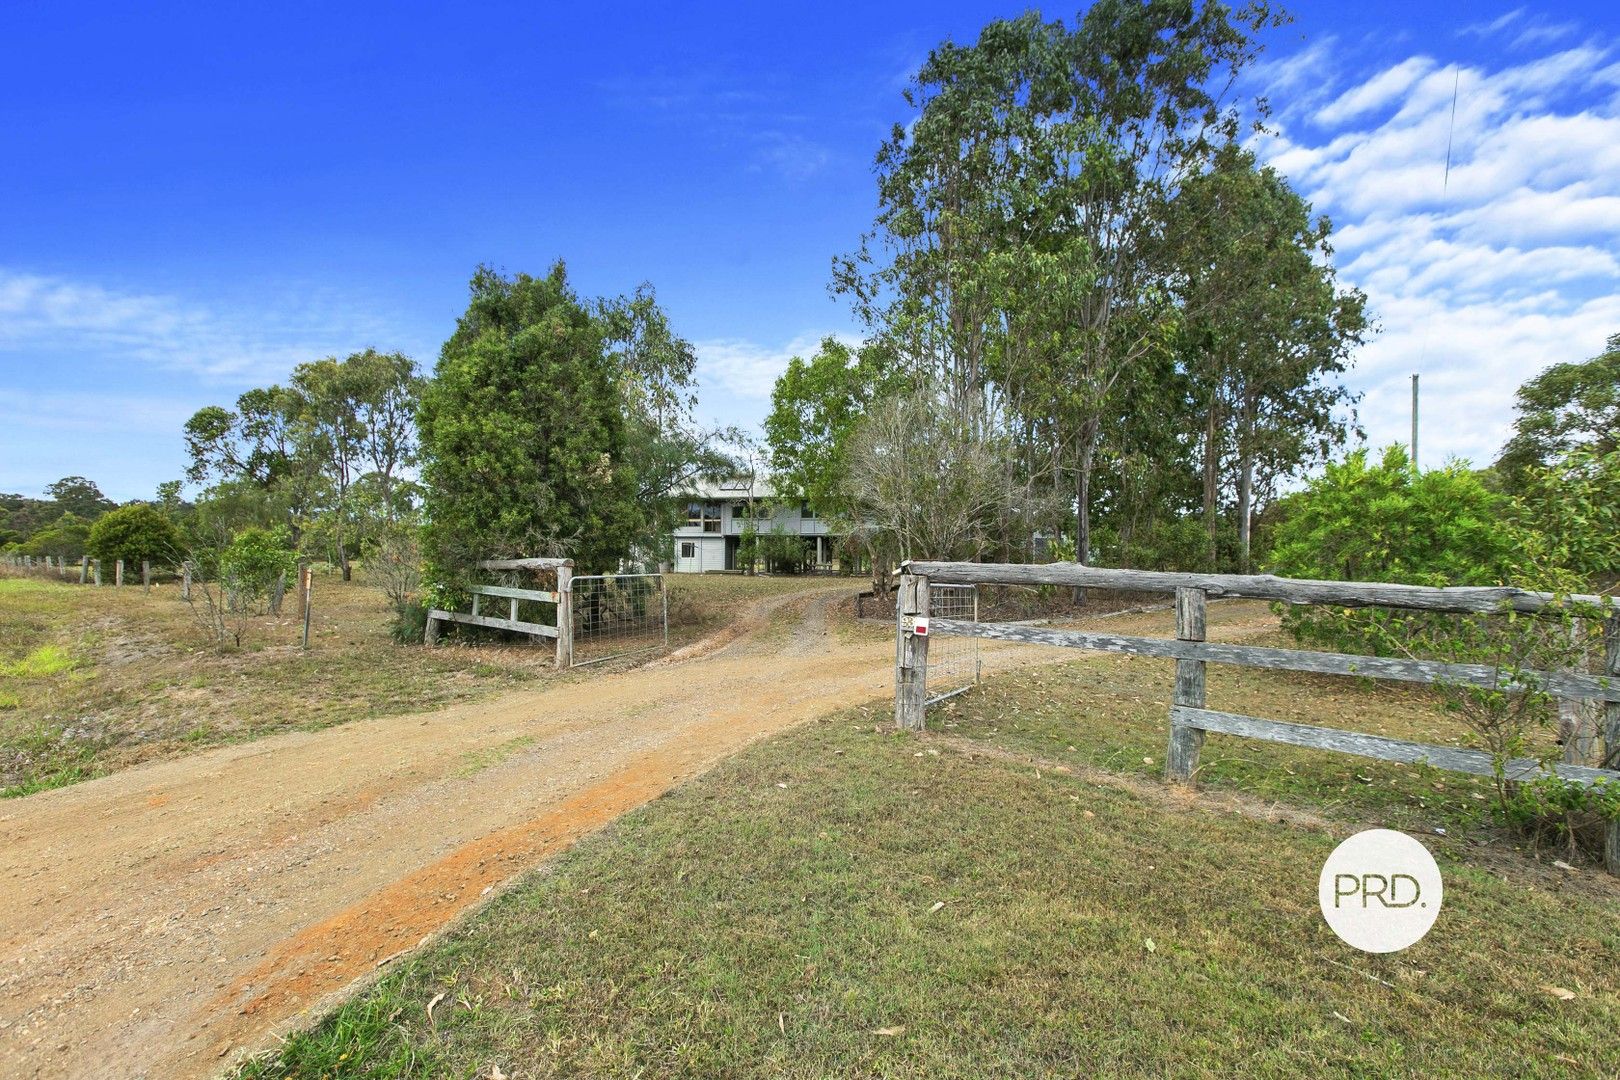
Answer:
(717, 513)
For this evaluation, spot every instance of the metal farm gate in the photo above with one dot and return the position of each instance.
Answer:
(618, 614)
(953, 662)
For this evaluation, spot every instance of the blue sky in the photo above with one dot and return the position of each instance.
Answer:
(195, 198)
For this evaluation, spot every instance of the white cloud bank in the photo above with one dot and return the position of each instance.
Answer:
(748, 370)
(1480, 277)
(43, 316)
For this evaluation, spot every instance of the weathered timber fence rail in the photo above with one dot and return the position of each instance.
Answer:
(1190, 719)
(562, 630)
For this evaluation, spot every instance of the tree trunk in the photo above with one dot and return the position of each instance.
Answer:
(1245, 500)
(1082, 508)
(1212, 476)
(1124, 514)
(342, 549)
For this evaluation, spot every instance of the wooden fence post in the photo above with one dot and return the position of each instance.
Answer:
(910, 654)
(1181, 759)
(118, 573)
(185, 580)
(146, 574)
(84, 569)
(1611, 732)
(98, 573)
(565, 614)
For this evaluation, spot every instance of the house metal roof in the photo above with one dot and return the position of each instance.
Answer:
(733, 488)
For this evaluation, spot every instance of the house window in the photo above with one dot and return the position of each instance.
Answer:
(703, 515)
(688, 549)
(740, 512)
(806, 511)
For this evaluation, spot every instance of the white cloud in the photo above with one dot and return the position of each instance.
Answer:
(1542, 33)
(47, 316)
(1535, 30)
(1300, 70)
(1485, 29)
(1480, 279)
(92, 413)
(1376, 92)
(747, 369)
(793, 156)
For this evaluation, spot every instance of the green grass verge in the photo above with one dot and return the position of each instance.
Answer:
(1112, 712)
(840, 902)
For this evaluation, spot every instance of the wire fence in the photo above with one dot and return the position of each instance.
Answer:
(618, 614)
(953, 660)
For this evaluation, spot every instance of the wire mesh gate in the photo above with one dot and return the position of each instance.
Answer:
(618, 614)
(953, 660)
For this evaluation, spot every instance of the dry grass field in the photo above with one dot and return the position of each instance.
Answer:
(96, 679)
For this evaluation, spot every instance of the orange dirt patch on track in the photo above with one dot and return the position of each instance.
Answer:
(334, 952)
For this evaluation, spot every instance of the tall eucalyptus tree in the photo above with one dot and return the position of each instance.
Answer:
(1010, 262)
(1266, 329)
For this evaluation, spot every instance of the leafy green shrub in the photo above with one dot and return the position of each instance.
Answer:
(1573, 508)
(255, 565)
(523, 434)
(1176, 543)
(410, 623)
(1384, 522)
(133, 533)
(1445, 527)
(1563, 811)
(65, 538)
(782, 552)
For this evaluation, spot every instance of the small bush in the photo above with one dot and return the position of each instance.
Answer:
(65, 538)
(783, 552)
(255, 565)
(134, 533)
(1178, 543)
(394, 564)
(410, 623)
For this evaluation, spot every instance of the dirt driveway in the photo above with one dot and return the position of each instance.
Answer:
(156, 922)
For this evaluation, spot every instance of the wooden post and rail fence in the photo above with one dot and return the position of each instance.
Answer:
(1190, 718)
(562, 596)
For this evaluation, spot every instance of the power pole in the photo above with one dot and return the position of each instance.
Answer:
(1414, 422)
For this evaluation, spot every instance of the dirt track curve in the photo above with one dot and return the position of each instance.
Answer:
(156, 922)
